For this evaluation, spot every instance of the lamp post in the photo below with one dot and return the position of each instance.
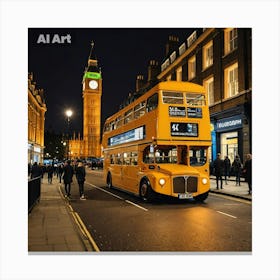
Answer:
(68, 114)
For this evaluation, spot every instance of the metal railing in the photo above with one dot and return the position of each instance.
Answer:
(34, 192)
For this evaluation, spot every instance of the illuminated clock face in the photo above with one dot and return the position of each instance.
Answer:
(93, 84)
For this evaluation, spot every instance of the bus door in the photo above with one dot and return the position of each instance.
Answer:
(129, 175)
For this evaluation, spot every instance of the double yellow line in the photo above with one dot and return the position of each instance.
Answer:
(81, 226)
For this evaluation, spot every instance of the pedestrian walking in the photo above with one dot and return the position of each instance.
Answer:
(227, 166)
(218, 170)
(50, 171)
(81, 177)
(248, 172)
(60, 171)
(36, 171)
(68, 173)
(237, 167)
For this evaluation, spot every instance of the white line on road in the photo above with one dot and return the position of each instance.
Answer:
(127, 201)
(136, 205)
(227, 214)
(106, 191)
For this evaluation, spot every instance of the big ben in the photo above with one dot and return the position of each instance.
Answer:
(92, 91)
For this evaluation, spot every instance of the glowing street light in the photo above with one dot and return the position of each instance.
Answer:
(68, 114)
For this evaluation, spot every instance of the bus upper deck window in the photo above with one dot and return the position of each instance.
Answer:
(152, 102)
(172, 97)
(195, 99)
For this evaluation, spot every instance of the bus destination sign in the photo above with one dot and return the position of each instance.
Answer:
(177, 111)
(194, 112)
(184, 129)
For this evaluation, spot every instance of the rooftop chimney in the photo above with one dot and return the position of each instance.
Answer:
(153, 70)
(171, 45)
(139, 82)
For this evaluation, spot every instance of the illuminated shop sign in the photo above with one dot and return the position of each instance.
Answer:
(184, 129)
(129, 136)
(229, 123)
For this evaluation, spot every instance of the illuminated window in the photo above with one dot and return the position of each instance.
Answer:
(192, 68)
(208, 55)
(209, 86)
(231, 80)
(230, 37)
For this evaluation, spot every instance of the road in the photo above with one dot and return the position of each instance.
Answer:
(120, 222)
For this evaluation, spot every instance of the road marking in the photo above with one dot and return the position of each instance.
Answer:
(119, 197)
(87, 233)
(136, 205)
(227, 214)
(106, 191)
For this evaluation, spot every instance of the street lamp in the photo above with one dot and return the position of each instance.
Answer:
(68, 114)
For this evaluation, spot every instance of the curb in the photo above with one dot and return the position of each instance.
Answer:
(232, 195)
(80, 227)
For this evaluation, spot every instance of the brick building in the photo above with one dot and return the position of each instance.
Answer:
(220, 59)
(36, 121)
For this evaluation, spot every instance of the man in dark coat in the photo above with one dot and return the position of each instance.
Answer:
(248, 172)
(36, 171)
(67, 177)
(81, 177)
(218, 170)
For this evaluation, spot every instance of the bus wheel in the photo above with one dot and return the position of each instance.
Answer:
(145, 191)
(109, 180)
(201, 197)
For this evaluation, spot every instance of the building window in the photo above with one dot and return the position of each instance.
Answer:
(192, 68)
(172, 57)
(209, 86)
(230, 39)
(182, 48)
(231, 80)
(179, 74)
(208, 55)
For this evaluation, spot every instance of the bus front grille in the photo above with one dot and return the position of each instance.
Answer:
(182, 184)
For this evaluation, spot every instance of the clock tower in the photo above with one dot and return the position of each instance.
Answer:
(92, 91)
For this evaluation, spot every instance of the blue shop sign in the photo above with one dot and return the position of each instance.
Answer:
(229, 123)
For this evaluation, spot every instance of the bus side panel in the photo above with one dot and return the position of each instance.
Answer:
(130, 178)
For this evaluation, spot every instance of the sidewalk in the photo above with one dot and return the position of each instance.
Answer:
(231, 189)
(52, 225)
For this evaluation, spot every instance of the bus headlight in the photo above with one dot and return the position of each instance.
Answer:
(204, 181)
(161, 181)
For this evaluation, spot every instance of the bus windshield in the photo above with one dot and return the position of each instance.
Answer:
(193, 155)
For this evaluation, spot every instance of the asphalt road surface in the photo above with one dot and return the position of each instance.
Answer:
(120, 222)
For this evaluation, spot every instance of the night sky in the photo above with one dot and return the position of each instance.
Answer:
(122, 54)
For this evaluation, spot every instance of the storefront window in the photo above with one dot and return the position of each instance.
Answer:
(229, 144)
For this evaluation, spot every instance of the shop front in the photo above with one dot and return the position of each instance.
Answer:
(227, 137)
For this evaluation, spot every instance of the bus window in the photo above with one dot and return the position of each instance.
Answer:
(198, 156)
(152, 102)
(161, 154)
(118, 159)
(112, 159)
(126, 159)
(128, 116)
(134, 158)
(119, 121)
(195, 99)
(139, 110)
(173, 97)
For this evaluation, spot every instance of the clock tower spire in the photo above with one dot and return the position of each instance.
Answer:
(92, 91)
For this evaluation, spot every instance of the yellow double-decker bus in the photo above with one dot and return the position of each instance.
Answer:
(158, 144)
